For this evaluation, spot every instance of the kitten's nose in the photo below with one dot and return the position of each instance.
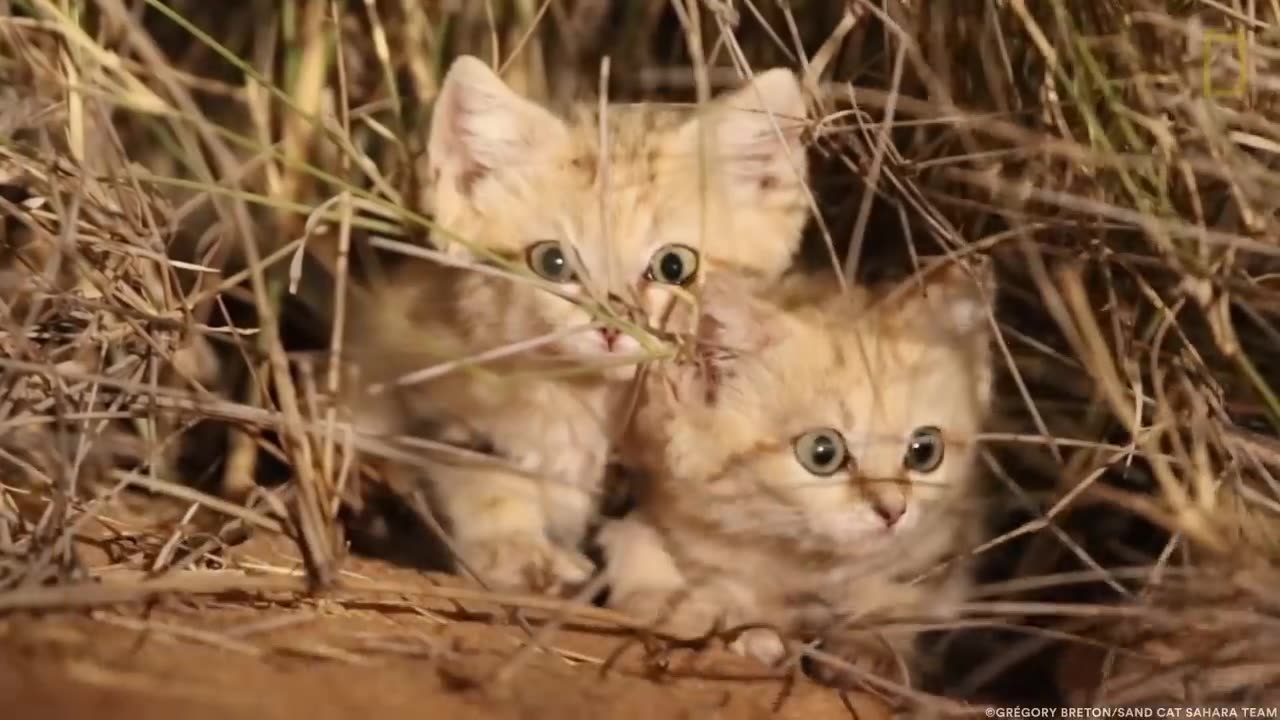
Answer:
(889, 500)
(888, 511)
(610, 335)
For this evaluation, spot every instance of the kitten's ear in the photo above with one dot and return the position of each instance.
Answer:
(756, 131)
(956, 299)
(479, 125)
(731, 326)
(729, 314)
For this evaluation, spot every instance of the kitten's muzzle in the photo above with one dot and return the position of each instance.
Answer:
(888, 497)
(628, 311)
(610, 336)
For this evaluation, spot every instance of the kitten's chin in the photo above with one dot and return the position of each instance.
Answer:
(621, 373)
(615, 364)
(862, 533)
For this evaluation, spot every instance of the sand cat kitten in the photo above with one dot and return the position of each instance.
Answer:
(624, 224)
(668, 192)
(812, 460)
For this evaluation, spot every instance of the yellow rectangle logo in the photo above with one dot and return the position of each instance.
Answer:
(1236, 39)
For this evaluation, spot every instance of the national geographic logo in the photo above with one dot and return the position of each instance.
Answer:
(1213, 45)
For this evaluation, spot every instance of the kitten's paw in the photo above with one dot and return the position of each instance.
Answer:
(667, 611)
(763, 644)
(521, 562)
(858, 658)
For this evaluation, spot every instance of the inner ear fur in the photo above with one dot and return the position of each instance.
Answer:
(949, 297)
(731, 324)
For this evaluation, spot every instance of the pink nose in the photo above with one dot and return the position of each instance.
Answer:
(610, 336)
(891, 512)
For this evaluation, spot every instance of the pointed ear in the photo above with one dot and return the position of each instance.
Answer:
(956, 299)
(730, 326)
(730, 316)
(755, 133)
(479, 126)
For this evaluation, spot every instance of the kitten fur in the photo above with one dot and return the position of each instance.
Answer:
(507, 174)
(727, 181)
(730, 528)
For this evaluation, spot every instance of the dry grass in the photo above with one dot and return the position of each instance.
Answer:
(165, 166)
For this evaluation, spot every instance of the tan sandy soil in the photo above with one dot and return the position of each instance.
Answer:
(320, 660)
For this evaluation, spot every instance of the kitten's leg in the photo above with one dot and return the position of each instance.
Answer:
(568, 509)
(882, 646)
(645, 583)
(864, 641)
(499, 530)
(888, 655)
(763, 644)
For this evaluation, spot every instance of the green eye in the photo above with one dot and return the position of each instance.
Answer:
(821, 452)
(550, 261)
(924, 450)
(673, 265)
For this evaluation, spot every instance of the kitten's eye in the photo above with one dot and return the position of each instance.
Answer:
(549, 260)
(673, 265)
(821, 452)
(924, 450)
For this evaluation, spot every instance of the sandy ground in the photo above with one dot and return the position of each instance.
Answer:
(321, 660)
